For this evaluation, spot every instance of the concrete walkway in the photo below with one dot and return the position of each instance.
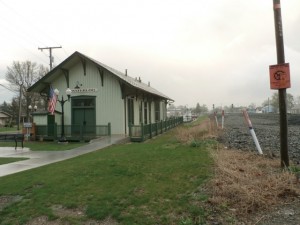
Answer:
(41, 158)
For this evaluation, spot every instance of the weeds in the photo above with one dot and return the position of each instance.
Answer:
(246, 183)
(193, 134)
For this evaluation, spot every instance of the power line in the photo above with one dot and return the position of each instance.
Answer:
(19, 38)
(50, 54)
(8, 88)
(26, 19)
(21, 32)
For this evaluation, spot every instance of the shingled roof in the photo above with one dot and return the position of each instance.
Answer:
(71, 60)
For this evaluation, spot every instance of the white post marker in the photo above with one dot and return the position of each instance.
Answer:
(222, 119)
(248, 121)
(216, 120)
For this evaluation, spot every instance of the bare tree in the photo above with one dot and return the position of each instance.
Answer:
(289, 99)
(297, 100)
(21, 75)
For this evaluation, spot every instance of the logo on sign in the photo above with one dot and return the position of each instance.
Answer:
(280, 76)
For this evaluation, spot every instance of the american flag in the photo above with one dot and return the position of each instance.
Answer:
(52, 101)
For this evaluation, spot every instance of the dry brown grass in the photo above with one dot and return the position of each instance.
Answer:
(246, 183)
(204, 129)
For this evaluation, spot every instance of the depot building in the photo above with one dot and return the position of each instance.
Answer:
(99, 96)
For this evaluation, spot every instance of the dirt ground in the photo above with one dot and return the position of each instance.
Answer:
(287, 214)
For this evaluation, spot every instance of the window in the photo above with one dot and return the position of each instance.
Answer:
(141, 113)
(145, 112)
(130, 111)
(157, 111)
(83, 102)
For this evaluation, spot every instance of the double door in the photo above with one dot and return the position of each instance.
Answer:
(83, 116)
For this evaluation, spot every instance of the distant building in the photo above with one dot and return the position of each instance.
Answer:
(179, 111)
(268, 109)
(258, 110)
(251, 110)
(174, 112)
(5, 118)
(296, 109)
(187, 116)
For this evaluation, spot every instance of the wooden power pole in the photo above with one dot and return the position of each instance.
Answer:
(282, 91)
(50, 54)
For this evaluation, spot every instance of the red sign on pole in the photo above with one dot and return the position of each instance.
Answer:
(280, 76)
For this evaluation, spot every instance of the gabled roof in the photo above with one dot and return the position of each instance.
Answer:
(4, 114)
(40, 85)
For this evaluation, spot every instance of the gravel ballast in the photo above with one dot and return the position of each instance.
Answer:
(236, 134)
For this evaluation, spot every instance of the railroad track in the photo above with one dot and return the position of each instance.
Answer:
(236, 133)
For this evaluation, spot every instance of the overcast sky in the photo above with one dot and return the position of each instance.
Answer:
(194, 51)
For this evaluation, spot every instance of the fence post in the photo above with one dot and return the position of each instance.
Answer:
(142, 131)
(130, 129)
(54, 131)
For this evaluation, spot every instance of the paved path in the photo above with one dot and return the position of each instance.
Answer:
(41, 158)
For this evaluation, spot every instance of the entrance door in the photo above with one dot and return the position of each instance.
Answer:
(83, 116)
(51, 125)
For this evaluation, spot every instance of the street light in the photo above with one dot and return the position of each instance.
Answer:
(62, 102)
(30, 109)
(28, 125)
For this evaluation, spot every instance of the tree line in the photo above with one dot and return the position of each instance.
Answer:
(20, 76)
(272, 101)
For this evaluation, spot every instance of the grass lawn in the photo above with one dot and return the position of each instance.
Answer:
(44, 146)
(155, 182)
(10, 160)
(8, 129)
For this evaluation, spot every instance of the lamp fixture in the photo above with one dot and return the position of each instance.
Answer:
(68, 92)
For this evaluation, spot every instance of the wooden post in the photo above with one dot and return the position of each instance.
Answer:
(281, 92)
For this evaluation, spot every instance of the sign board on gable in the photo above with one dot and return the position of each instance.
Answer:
(280, 76)
(84, 90)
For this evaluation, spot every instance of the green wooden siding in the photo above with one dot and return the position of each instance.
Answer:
(109, 105)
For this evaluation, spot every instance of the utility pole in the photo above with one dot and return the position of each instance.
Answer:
(20, 108)
(50, 54)
(281, 92)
